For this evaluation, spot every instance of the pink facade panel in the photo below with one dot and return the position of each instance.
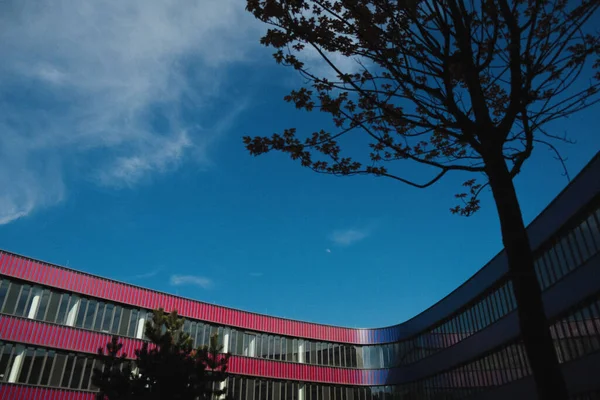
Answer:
(38, 333)
(46, 274)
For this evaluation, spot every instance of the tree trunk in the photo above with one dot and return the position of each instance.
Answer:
(533, 322)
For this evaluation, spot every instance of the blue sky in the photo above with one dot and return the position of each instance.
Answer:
(121, 155)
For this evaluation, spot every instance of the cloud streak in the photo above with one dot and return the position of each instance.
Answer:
(193, 280)
(146, 275)
(97, 91)
(347, 237)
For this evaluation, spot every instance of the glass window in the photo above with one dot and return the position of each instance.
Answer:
(556, 268)
(359, 357)
(108, 315)
(117, 319)
(249, 389)
(240, 344)
(277, 348)
(233, 342)
(11, 298)
(586, 230)
(43, 305)
(295, 350)
(70, 362)
(77, 372)
(36, 368)
(90, 314)
(290, 350)
(5, 357)
(87, 374)
(59, 366)
(262, 346)
(510, 296)
(584, 246)
(62, 309)
(47, 367)
(3, 291)
(284, 347)
(81, 312)
(125, 322)
(336, 355)
(24, 300)
(276, 393)
(52, 307)
(553, 276)
(133, 322)
(487, 312)
(539, 273)
(566, 248)
(594, 233)
(26, 365)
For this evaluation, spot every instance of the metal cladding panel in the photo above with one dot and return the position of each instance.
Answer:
(73, 281)
(22, 330)
(9, 391)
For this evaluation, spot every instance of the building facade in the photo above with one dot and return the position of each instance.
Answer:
(53, 320)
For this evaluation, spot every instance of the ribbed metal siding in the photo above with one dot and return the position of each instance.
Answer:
(72, 281)
(27, 331)
(38, 333)
(20, 392)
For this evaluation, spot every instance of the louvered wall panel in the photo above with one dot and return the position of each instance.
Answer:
(38, 333)
(10, 391)
(42, 273)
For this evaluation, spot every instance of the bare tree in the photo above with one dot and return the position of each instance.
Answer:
(456, 85)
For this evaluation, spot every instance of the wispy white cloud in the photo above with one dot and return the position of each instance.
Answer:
(201, 281)
(90, 75)
(347, 237)
(146, 275)
(327, 250)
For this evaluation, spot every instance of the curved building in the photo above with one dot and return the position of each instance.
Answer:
(53, 320)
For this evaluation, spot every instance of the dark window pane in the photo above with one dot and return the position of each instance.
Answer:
(62, 309)
(43, 305)
(52, 307)
(11, 298)
(87, 374)
(77, 372)
(99, 316)
(89, 314)
(59, 366)
(81, 312)
(108, 314)
(36, 368)
(586, 229)
(68, 370)
(594, 231)
(581, 242)
(133, 324)
(24, 301)
(125, 321)
(567, 251)
(47, 367)
(289, 351)
(277, 348)
(116, 319)
(284, 347)
(27, 359)
(3, 291)
(5, 355)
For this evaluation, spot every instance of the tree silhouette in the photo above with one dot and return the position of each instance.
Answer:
(167, 367)
(451, 85)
